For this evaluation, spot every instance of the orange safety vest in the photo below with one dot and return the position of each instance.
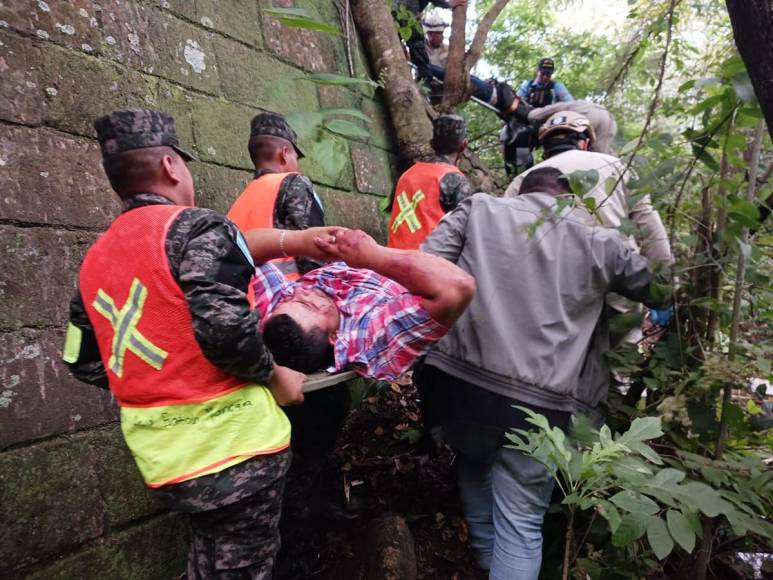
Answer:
(254, 208)
(182, 417)
(416, 209)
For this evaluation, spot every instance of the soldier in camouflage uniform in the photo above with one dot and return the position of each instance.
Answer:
(430, 188)
(234, 512)
(274, 150)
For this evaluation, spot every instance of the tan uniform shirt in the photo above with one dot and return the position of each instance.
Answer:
(601, 120)
(613, 208)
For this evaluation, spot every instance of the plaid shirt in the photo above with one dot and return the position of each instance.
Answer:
(383, 327)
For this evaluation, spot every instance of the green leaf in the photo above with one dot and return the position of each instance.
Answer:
(732, 66)
(668, 477)
(631, 528)
(583, 182)
(659, 538)
(305, 123)
(695, 521)
(348, 112)
(631, 502)
(703, 497)
(659, 494)
(642, 429)
(681, 530)
(744, 212)
(346, 128)
(742, 85)
(590, 203)
(705, 157)
(610, 513)
(647, 452)
(336, 80)
(330, 154)
(300, 18)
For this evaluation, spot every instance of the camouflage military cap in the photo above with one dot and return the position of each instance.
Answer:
(137, 128)
(274, 125)
(449, 129)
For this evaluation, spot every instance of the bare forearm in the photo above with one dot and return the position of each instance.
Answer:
(445, 288)
(269, 244)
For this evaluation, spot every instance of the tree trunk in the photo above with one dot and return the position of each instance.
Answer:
(752, 22)
(456, 82)
(409, 110)
(406, 105)
(703, 554)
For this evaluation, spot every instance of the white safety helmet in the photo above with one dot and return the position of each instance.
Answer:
(434, 22)
(567, 122)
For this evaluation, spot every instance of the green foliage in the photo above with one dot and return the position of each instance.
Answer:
(300, 18)
(649, 502)
(324, 129)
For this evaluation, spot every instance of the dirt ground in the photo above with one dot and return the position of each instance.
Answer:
(378, 465)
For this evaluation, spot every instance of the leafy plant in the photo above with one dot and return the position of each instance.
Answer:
(649, 502)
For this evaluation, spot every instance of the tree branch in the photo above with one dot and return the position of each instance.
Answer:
(481, 33)
(455, 83)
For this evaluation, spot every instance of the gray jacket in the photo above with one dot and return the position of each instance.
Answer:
(534, 331)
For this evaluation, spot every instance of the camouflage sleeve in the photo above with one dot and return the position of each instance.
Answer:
(86, 363)
(454, 188)
(297, 208)
(214, 273)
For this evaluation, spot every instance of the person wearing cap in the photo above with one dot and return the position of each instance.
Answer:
(161, 318)
(279, 196)
(429, 189)
(566, 139)
(543, 90)
(534, 336)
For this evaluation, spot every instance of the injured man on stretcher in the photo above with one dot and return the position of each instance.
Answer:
(373, 310)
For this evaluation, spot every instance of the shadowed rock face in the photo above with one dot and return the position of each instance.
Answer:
(68, 485)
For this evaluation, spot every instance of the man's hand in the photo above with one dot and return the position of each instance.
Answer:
(304, 242)
(354, 247)
(267, 243)
(286, 385)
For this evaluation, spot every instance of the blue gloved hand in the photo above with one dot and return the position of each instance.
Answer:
(663, 316)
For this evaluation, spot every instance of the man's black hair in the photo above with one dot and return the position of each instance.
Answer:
(545, 180)
(292, 347)
(563, 141)
(136, 170)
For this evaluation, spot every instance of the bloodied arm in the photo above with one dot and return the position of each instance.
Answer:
(445, 289)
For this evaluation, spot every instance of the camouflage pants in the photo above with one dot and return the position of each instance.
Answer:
(235, 535)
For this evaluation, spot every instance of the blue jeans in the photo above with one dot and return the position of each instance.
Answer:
(504, 501)
(481, 89)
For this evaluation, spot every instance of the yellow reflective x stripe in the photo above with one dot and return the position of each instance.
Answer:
(72, 343)
(407, 213)
(124, 323)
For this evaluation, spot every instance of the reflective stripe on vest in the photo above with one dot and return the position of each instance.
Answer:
(255, 207)
(416, 210)
(181, 416)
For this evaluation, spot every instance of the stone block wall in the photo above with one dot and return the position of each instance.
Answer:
(72, 504)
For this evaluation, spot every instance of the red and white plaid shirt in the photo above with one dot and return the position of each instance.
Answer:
(383, 328)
